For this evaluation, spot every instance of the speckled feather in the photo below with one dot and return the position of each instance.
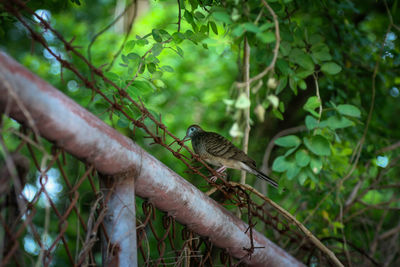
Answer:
(209, 145)
(219, 151)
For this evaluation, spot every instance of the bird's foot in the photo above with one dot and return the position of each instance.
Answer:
(220, 171)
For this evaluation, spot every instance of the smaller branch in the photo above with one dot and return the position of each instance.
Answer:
(126, 35)
(390, 16)
(105, 29)
(389, 148)
(91, 234)
(271, 65)
(386, 186)
(179, 15)
(354, 193)
(246, 72)
(391, 232)
(354, 247)
(374, 243)
(381, 206)
(318, 96)
(359, 147)
(24, 110)
(293, 220)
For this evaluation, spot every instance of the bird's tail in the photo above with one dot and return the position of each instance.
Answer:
(265, 177)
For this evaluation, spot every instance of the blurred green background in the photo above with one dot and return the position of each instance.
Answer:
(340, 56)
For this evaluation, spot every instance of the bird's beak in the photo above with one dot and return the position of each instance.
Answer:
(186, 138)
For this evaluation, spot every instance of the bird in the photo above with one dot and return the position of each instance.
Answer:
(216, 150)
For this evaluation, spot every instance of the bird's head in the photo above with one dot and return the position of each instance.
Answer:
(192, 130)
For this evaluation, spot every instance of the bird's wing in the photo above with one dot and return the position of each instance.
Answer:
(218, 146)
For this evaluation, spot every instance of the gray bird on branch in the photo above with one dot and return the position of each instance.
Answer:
(219, 151)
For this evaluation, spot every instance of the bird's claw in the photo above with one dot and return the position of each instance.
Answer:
(220, 171)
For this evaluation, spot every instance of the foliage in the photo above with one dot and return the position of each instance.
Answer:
(336, 72)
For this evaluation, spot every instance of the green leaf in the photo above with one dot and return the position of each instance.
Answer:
(293, 84)
(315, 165)
(311, 122)
(112, 76)
(280, 164)
(292, 171)
(142, 68)
(125, 59)
(130, 45)
(266, 37)
(157, 75)
(299, 57)
(242, 102)
(282, 84)
(191, 36)
(213, 27)
(302, 158)
(288, 141)
(142, 42)
(266, 26)
(302, 74)
(290, 151)
(151, 59)
(283, 66)
(204, 29)
(199, 15)
(315, 39)
(178, 37)
(188, 16)
(322, 56)
(285, 48)
(302, 177)
(305, 61)
(164, 34)
(311, 175)
(250, 27)
(156, 35)
(151, 67)
(335, 122)
(281, 107)
(156, 49)
(312, 103)
(277, 114)
(222, 16)
(123, 122)
(193, 3)
(167, 68)
(349, 110)
(143, 86)
(331, 68)
(318, 145)
(179, 51)
(134, 56)
(302, 85)
(238, 30)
